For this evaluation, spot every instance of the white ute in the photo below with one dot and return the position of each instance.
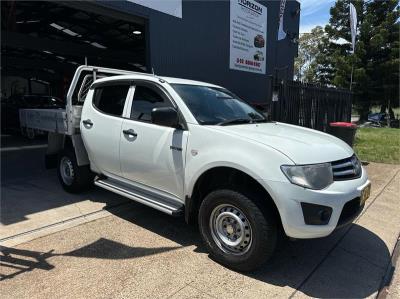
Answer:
(195, 149)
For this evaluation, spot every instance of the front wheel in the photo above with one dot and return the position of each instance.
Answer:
(72, 177)
(237, 233)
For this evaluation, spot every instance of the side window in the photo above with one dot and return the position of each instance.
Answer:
(111, 99)
(144, 100)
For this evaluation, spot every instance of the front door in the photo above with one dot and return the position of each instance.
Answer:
(101, 124)
(151, 155)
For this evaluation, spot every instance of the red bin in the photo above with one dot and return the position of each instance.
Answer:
(343, 130)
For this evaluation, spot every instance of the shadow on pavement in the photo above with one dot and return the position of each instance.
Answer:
(351, 267)
(108, 249)
(28, 188)
(350, 263)
(172, 228)
(17, 261)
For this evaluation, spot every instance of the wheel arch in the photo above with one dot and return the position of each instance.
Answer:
(80, 150)
(58, 142)
(231, 177)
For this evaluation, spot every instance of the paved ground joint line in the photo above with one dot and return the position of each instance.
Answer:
(180, 289)
(341, 238)
(192, 285)
(63, 222)
(383, 267)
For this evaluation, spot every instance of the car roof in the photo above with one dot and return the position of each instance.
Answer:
(155, 78)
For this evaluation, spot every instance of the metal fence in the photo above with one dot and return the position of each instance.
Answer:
(309, 105)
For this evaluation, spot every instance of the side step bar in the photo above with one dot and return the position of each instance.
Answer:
(161, 204)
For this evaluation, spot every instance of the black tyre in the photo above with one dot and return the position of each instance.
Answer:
(73, 178)
(236, 232)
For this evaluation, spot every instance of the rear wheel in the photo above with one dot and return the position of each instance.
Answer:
(72, 177)
(237, 233)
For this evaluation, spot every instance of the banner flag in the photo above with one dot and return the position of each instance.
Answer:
(281, 32)
(353, 25)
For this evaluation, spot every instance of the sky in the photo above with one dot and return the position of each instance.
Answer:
(314, 13)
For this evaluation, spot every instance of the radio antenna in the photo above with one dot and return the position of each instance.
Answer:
(152, 70)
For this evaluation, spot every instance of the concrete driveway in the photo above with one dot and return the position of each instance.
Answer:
(100, 245)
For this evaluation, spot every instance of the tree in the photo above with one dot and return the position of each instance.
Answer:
(305, 64)
(383, 65)
(375, 63)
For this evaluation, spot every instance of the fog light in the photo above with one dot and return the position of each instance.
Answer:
(316, 214)
(325, 215)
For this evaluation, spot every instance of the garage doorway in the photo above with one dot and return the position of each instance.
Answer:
(44, 42)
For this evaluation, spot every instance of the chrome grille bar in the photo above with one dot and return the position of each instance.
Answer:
(344, 172)
(342, 165)
(346, 169)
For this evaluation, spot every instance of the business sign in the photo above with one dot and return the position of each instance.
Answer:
(248, 35)
(170, 7)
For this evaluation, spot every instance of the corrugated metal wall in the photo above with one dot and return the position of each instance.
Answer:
(197, 46)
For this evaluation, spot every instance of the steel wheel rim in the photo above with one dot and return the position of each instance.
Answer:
(67, 170)
(230, 229)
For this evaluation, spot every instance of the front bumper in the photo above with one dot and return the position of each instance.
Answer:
(341, 196)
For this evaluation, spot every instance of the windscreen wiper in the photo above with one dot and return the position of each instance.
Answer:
(225, 98)
(235, 121)
(261, 120)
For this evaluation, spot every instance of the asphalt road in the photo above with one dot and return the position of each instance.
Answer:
(131, 251)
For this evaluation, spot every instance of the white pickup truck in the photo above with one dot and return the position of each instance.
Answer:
(195, 149)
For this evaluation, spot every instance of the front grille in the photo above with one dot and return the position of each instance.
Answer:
(346, 169)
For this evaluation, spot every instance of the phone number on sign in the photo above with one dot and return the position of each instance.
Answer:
(247, 62)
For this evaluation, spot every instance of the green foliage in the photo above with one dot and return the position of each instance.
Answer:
(378, 145)
(305, 64)
(376, 60)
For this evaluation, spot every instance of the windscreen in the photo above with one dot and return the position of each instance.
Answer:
(216, 106)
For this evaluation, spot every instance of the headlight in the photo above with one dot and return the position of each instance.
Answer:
(315, 176)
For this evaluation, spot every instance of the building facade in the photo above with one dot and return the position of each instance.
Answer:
(230, 43)
(197, 45)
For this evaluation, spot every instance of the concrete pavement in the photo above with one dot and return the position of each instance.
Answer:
(131, 251)
(32, 202)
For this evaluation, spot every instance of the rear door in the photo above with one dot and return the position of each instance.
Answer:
(101, 124)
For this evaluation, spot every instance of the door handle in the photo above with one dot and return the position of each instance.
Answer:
(88, 123)
(130, 132)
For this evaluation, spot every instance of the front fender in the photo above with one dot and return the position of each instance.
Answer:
(198, 172)
(208, 148)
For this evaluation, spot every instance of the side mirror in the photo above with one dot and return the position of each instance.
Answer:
(165, 116)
